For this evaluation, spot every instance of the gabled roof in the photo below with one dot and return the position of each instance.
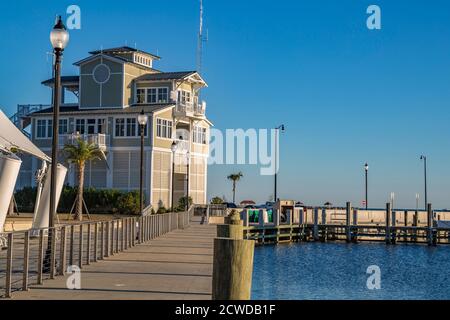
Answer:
(124, 49)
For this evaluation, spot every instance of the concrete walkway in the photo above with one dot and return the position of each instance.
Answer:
(177, 266)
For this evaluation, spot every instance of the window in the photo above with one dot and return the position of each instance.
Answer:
(49, 128)
(101, 127)
(163, 95)
(164, 128)
(131, 127)
(63, 126)
(91, 126)
(151, 95)
(120, 127)
(80, 126)
(140, 96)
(199, 135)
(41, 127)
(184, 97)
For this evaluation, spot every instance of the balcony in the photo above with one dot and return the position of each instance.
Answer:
(183, 146)
(102, 141)
(190, 109)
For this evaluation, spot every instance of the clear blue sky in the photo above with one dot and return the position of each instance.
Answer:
(347, 95)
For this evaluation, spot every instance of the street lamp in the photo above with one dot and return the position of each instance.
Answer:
(142, 119)
(174, 149)
(277, 129)
(59, 38)
(366, 169)
(188, 155)
(424, 158)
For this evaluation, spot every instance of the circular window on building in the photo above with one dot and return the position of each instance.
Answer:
(101, 73)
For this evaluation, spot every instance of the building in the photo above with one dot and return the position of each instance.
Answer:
(102, 104)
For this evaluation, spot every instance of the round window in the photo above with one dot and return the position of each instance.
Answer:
(101, 73)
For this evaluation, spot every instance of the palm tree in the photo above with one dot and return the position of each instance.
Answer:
(78, 153)
(235, 177)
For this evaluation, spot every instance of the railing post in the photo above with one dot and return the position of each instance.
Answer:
(112, 238)
(102, 240)
(107, 240)
(72, 244)
(80, 247)
(122, 242)
(117, 237)
(394, 230)
(88, 249)
(127, 233)
(26, 258)
(9, 265)
(41, 256)
(95, 241)
(62, 252)
(53, 253)
(133, 232)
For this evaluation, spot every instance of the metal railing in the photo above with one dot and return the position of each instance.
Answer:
(191, 108)
(33, 256)
(100, 140)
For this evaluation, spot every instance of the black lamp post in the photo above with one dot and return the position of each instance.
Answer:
(424, 158)
(277, 129)
(142, 119)
(366, 170)
(59, 38)
(174, 149)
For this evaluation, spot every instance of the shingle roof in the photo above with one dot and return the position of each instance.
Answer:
(105, 111)
(122, 50)
(166, 76)
(64, 79)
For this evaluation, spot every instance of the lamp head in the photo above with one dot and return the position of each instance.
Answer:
(366, 167)
(59, 37)
(142, 118)
(174, 147)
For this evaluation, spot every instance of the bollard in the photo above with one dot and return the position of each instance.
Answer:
(348, 229)
(232, 269)
(234, 229)
(430, 237)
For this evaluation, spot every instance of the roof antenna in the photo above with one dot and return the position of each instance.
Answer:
(135, 45)
(201, 40)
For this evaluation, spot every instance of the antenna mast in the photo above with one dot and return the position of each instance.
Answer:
(201, 39)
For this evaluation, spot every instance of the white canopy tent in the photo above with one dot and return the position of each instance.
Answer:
(12, 139)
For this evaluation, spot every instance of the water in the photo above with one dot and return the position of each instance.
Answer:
(337, 271)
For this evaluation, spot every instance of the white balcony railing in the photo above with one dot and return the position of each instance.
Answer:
(191, 109)
(98, 139)
(183, 146)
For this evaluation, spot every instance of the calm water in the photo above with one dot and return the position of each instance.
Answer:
(338, 271)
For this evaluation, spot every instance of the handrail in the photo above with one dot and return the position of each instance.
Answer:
(33, 256)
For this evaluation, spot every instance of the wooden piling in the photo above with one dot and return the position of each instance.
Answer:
(355, 223)
(348, 230)
(388, 228)
(394, 224)
(232, 269)
(316, 224)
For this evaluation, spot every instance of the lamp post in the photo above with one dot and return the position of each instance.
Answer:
(366, 170)
(174, 149)
(277, 129)
(142, 119)
(188, 155)
(59, 38)
(424, 158)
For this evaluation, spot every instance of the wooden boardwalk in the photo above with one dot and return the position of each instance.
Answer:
(176, 266)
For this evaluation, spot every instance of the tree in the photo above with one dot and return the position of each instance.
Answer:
(78, 153)
(235, 177)
(217, 200)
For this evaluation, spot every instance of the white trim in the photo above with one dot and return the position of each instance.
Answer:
(125, 117)
(136, 88)
(167, 126)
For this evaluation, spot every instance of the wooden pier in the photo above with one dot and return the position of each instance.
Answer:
(347, 227)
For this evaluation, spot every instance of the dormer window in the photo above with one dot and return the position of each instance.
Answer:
(184, 97)
(143, 60)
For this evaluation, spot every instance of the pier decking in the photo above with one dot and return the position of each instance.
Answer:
(175, 266)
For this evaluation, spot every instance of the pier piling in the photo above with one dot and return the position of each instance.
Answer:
(348, 230)
(388, 228)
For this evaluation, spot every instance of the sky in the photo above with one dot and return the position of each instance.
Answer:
(346, 94)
